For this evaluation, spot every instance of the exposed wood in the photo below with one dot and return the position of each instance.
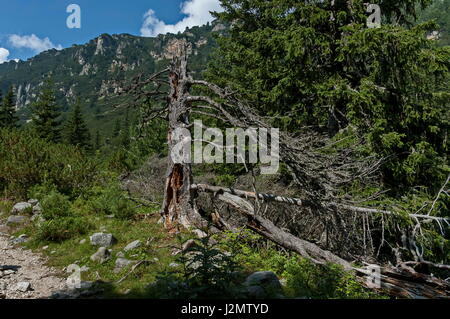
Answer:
(401, 283)
(395, 282)
(267, 229)
(300, 202)
(178, 206)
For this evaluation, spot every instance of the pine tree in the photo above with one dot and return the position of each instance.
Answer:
(125, 134)
(46, 114)
(317, 64)
(117, 128)
(97, 141)
(76, 131)
(8, 117)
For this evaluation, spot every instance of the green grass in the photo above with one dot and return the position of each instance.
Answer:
(62, 254)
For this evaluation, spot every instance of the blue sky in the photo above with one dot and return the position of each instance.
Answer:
(28, 27)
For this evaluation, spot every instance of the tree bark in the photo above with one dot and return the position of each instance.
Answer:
(178, 205)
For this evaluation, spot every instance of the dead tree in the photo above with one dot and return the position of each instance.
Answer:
(317, 175)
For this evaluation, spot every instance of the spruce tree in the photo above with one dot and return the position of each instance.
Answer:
(46, 114)
(125, 134)
(317, 64)
(76, 131)
(97, 140)
(8, 117)
(117, 128)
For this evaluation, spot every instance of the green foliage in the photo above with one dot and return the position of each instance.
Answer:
(98, 140)
(8, 117)
(439, 11)
(46, 114)
(26, 161)
(60, 221)
(205, 273)
(76, 132)
(253, 252)
(110, 200)
(61, 229)
(392, 83)
(55, 205)
(303, 278)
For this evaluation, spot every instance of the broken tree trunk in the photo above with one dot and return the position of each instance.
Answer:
(178, 205)
(401, 283)
(267, 229)
(304, 203)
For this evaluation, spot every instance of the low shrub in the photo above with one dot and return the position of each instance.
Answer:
(26, 160)
(111, 200)
(61, 229)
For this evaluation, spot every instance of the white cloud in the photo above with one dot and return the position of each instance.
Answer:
(4, 53)
(32, 42)
(197, 13)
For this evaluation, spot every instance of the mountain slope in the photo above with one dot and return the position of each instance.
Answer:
(94, 72)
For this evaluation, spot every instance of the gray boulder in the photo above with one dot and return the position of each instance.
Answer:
(122, 263)
(33, 202)
(135, 244)
(263, 284)
(102, 239)
(21, 207)
(21, 239)
(102, 255)
(37, 209)
(23, 286)
(15, 219)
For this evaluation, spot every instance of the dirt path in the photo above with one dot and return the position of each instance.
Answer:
(18, 265)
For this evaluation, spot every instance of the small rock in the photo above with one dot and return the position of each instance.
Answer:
(37, 209)
(14, 219)
(122, 263)
(173, 265)
(45, 248)
(101, 239)
(102, 255)
(120, 254)
(83, 241)
(33, 202)
(265, 282)
(38, 218)
(23, 286)
(189, 244)
(21, 239)
(135, 244)
(155, 259)
(21, 207)
(8, 272)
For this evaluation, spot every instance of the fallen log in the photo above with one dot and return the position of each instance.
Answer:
(399, 283)
(267, 229)
(304, 203)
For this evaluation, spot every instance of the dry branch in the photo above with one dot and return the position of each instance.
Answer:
(300, 202)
